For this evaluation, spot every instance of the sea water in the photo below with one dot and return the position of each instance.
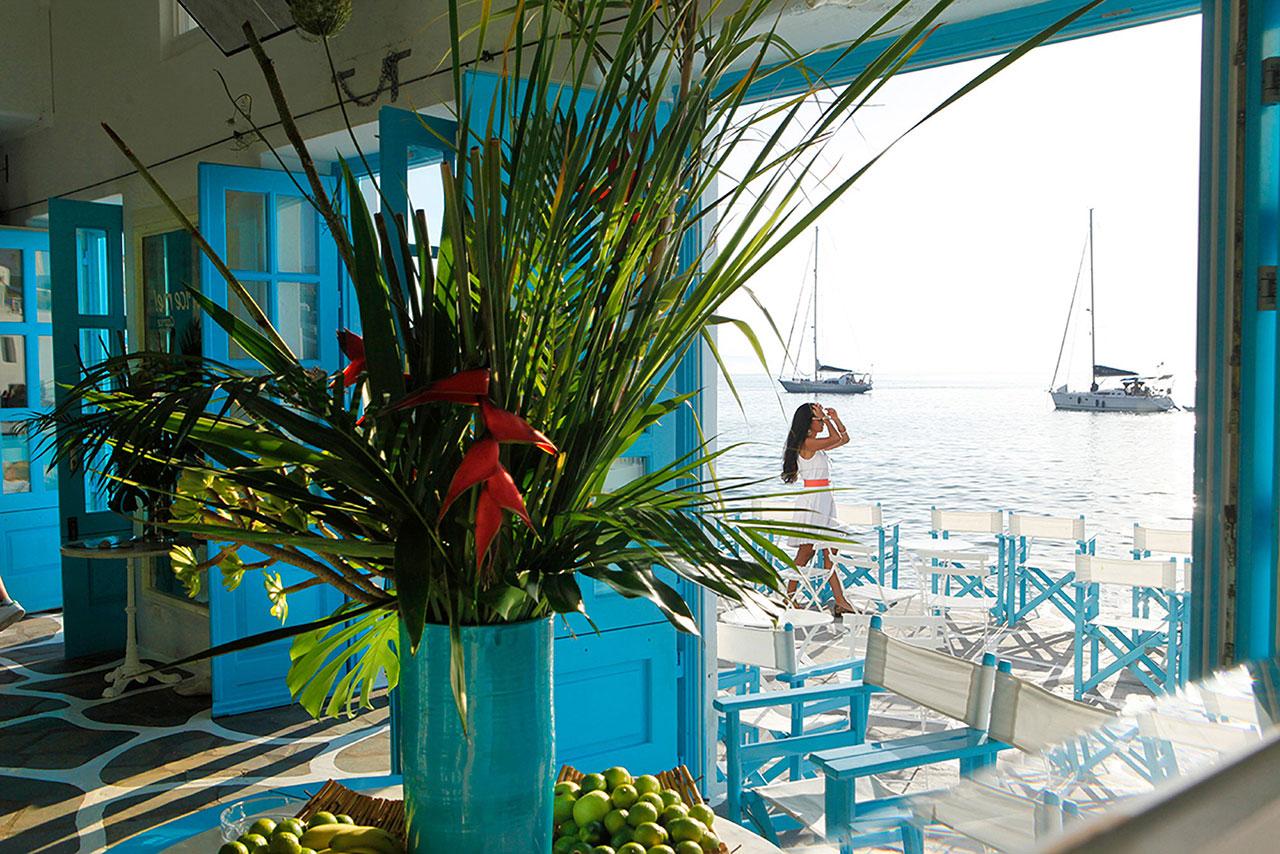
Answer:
(977, 445)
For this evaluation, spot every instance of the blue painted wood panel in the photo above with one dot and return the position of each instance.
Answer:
(28, 496)
(86, 243)
(252, 219)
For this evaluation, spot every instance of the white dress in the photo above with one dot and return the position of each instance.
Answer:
(814, 506)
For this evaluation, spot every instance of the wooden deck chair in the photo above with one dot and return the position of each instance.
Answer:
(997, 818)
(876, 554)
(755, 652)
(939, 568)
(1177, 745)
(945, 524)
(1032, 577)
(1134, 643)
(1031, 719)
(1163, 543)
(953, 687)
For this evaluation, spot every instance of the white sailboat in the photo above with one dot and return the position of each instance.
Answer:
(836, 380)
(1131, 393)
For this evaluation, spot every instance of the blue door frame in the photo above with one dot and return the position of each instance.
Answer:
(280, 248)
(86, 243)
(29, 561)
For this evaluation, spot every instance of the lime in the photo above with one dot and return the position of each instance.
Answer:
(306, 850)
(567, 787)
(320, 818)
(616, 776)
(702, 813)
(688, 848)
(670, 797)
(642, 813)
(255, 842)
(673, 813)
(593, 806)
(284, 842)
(650, 834)
(654, 798)
(593, 833)
(593, 783)
(622, 837)
(616, 820)
(291, 825)
(562, 810)
(581, 848)
(661, 849)
(564, 845)
(624, 796)
(263, 827)
(632, 848)
(343, 819)
(647, 783)
(234, 848)
(687, 829)
(569, 828)
(603, 849)
(710, 843)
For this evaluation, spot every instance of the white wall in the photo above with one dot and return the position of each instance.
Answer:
(26, 91)
(114, 62)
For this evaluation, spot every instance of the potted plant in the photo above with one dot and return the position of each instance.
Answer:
(450, 480)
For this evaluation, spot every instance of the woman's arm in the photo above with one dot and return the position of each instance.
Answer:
(835, 427)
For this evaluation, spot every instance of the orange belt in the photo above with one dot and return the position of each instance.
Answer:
(812, 483)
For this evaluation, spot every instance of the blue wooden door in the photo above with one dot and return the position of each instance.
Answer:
(627, 673)
(278, 247)
(29, 560)
(86, 242)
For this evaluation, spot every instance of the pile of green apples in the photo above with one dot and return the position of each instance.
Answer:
(324, 833)
(612, 813)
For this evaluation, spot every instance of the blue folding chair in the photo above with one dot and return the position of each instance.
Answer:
(1150, 647)
(875, 557)
(1033, 579)
(948, 526)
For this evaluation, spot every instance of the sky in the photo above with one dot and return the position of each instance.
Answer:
(957, 253)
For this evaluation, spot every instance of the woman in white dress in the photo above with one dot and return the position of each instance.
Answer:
(805, 459)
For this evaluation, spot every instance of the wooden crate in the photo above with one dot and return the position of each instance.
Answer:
(336, 798)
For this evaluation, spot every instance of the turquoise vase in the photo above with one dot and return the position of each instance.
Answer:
(488, 789)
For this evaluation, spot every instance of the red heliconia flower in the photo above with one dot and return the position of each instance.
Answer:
(508, 427)
(352, 346)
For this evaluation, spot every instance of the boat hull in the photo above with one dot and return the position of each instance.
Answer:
(819, 387)
(1090, 401)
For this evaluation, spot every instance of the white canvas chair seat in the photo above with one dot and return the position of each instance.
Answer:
(1000, 820)
(946, 603)
(887, 596)
(772, 720)
(1135, 624)
(802, 800)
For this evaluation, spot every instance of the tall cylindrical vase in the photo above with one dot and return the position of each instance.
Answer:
(488, 789)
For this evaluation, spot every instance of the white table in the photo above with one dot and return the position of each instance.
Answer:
(132, 670)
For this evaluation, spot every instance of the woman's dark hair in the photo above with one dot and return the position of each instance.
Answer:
(795, 438)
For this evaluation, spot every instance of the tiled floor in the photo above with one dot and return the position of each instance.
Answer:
(79, 773)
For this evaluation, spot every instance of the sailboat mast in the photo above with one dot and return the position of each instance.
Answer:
(816, 361)
(1093, 315)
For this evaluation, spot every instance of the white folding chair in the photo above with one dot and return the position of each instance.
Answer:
(1134, 642)
(1030, 580)
(939, 568)
(947, 524)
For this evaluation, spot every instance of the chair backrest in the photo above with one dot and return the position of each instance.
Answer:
(947, 562)
(1046, 527)
(1162, 540)
(1032, 718)
(1161, 574)
(770, 648)
(967, 521)
(860, 515)
(1203, 735)
(948, 685)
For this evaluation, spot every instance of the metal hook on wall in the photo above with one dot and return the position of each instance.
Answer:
(388, 80)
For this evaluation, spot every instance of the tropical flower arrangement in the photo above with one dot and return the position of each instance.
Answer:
(454, 471)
